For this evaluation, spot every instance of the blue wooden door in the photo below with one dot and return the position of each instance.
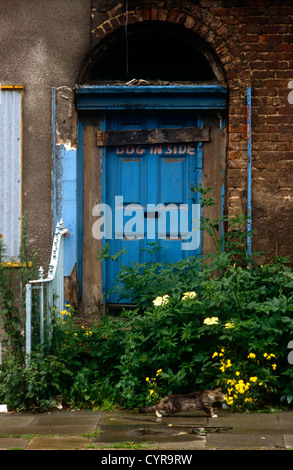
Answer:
(149, 190)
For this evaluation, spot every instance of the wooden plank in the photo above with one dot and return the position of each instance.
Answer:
(153, 136)
(91, 270)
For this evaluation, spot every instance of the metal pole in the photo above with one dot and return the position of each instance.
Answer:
(249, 221)
(28, 323)
(50, 305)
(41, 277)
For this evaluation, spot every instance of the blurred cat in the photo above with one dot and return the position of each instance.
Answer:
(172, 404)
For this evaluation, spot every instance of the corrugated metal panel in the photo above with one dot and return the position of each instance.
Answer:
(10, 169)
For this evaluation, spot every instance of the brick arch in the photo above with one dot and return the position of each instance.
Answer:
(207, 24)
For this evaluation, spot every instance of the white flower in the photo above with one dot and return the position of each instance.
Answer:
(211, 321)
(189, 295)
(161, 300)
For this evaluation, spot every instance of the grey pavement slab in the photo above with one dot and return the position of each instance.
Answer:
(59, 443)
(65, 430)
(244, 441)
(13, 443)
(252, 431)
(131, 426)
(288, 439)
(16, 423)
(65, 423)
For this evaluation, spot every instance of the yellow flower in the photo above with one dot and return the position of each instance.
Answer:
(75, 334)
(237, 373)
(215, 354)
(274, 366)
(225, 365)
(241, 387)
(147, 379)
(151, 392)
(229, 400)
(211, 321)
(251, 356)
(253, 379)
(189, 295)
(159, 371)
(229, 325)
(161, 300)
(231, 381)
(269, 356)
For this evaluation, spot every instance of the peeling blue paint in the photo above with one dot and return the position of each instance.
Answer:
(66, 201)
(65, 193)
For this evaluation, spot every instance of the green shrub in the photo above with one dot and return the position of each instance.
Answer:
(200, 323)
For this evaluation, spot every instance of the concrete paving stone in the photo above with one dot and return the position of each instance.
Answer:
(198, 444)
(250, 431)
(63, 430)
(133, 417)
(288, 438)
(67, 418)
(7, 443)
(59, 443)
(65, 422)
(244, 441)
(247, 423)
(142, 428)
(16, 423)
(139, 434)
(18, 419)
(286, 421)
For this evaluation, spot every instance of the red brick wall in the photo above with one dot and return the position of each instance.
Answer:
(253, 41)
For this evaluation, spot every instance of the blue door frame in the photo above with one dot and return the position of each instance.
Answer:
(117, 98)
(92, 97)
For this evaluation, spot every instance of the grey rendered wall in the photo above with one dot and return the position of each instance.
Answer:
(43, 44)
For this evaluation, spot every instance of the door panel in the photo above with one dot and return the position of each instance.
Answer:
(154, 181)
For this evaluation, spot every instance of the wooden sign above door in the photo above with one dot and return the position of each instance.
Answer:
(153, 136)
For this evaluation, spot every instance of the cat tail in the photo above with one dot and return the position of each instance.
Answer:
(147, 409)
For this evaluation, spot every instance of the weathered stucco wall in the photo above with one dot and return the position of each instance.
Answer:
(43, 44)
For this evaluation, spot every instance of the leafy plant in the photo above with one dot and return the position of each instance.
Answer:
(12, 293)
(199, 323)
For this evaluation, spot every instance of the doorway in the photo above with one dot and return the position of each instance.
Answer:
(143, 145)
(150, 189)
